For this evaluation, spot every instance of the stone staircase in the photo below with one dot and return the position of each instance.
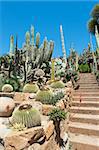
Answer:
(84, 115)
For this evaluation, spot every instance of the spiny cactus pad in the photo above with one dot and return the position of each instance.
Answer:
(30, 88)
(7, 88)
(57, 84)
(26, 115)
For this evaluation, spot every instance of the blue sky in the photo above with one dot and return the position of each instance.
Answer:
(16, 18)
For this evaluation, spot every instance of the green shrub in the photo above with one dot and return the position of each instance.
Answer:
(7, 88)
(30, 88)
(84, 68)
(26, 115)
(57, 84)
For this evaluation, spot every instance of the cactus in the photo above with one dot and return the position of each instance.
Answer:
(30, 88)
(53, 70)
(37, 39)
(44, 95)
(7, 88)
(26, 115)
(57, 84)
(18, 127)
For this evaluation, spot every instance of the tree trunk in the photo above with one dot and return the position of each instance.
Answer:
(57, 130)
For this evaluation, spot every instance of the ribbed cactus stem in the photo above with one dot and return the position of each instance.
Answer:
(63, 45)
(77, 61)
(97, 36)
(11, 45)
(53, 70)
(37, 39)
(95, 62)
(27, 36)
(32, 35)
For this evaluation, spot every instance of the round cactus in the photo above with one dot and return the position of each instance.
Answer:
(30, 88)
(7, 88)
(44, 95)
(26, 115)
(57, 84)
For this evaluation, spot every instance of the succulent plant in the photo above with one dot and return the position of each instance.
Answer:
(7, 88)
(57, 84)
(44, 95)
(30, 88)
(26, 115)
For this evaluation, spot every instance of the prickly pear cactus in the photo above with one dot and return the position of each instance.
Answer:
(26, 115)
(7, 88)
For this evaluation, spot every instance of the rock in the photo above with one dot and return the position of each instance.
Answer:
(69, 84)
(50, 145)
(35, 146)
(47, 108)
(20, 96)
(24, 138)
(60, 104)
(32, 96)
(6, 106)
(39, 73)
(49, 130)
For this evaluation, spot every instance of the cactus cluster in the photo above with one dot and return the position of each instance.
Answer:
(26, 115)
(30, 88)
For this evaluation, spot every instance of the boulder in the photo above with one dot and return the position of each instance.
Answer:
(49, 130)
(7, 106)
(23, 139)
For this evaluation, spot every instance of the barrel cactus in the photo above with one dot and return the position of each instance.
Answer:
(26, 115)
(7, 88)
(44, 95)
(57, 84)
(30, 88)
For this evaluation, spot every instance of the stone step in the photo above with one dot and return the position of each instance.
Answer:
(85, 110)
(84, 118)
(77, 93)
(83, 88)
(84, 128)
(86, 98)
(85, 103)
(84, 142)
(88, 90)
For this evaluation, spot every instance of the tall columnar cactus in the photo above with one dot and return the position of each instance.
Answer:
(32, 35)
(97, 36)
(26, 115)
(27, 36)
(53, 70)
(76, 61)
(63, 45)
(38, 39)
(11, 45)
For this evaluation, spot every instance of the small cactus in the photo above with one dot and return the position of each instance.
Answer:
(7, 88)
(57, 84)
(44, 95)
(26, 115)
(30, 88)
